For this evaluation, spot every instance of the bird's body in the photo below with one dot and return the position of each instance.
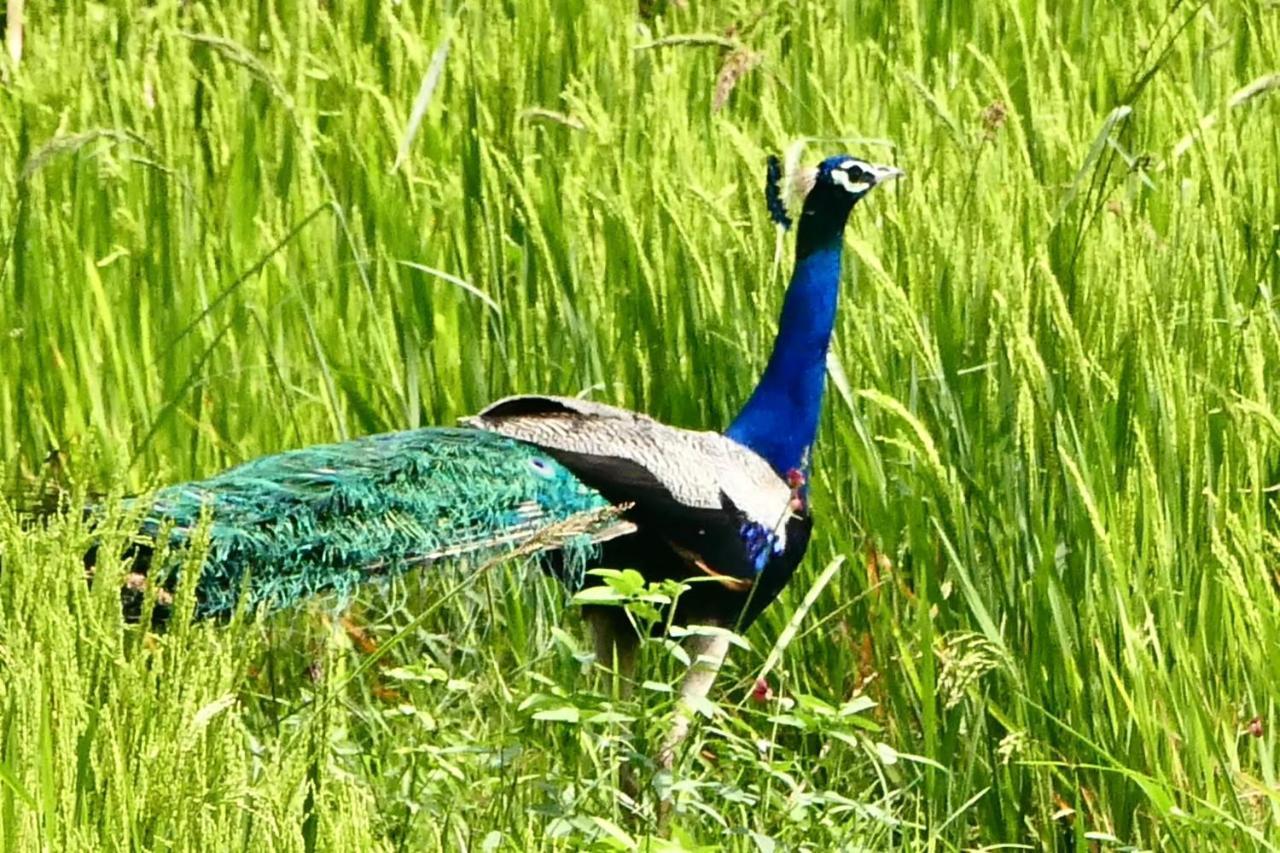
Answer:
(580, 484)
(704, 506)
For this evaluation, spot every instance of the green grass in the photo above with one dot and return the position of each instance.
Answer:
(1050, 460)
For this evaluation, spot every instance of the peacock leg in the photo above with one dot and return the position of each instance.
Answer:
(707, 654)
(616, 643)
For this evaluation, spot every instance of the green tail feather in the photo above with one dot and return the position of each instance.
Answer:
(330, 517)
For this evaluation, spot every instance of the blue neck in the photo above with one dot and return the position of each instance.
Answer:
(780, 421)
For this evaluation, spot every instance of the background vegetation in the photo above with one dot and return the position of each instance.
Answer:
(1049, 461)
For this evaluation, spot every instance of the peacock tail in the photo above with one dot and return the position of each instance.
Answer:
(330, 517)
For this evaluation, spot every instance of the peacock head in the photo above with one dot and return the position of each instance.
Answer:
(829, 191)
(846, 179)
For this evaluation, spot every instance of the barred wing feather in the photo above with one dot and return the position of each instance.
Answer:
(707, 492)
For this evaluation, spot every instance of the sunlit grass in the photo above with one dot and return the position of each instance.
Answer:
(1049, 459)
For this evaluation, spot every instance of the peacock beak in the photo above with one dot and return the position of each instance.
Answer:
(886, 173)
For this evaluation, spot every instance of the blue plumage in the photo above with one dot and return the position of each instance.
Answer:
(761, 544)
(780, 420)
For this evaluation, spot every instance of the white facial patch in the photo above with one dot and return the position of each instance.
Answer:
(841, 178)
(802, 182)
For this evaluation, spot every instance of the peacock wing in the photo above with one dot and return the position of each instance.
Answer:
(706, 493)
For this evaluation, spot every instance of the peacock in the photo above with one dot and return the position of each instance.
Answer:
(579, 484)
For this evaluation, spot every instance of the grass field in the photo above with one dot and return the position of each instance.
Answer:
(1050, 458)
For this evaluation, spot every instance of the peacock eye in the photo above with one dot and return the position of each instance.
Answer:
(852, 179)
(542, 468)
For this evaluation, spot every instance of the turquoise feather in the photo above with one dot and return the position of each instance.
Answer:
(330, 517)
